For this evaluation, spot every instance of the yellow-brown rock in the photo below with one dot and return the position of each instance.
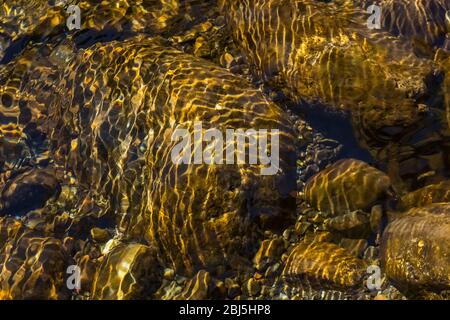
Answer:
(197, 215)
(325, 265)
(346, 186)
(32, 265)
(434, 193)
(317, 50)
(128, 271)
(415, 250)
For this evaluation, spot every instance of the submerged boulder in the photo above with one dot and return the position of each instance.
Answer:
(128, 271)
(29, 190)
(346, 186)
(32, 264)
(325, 265)
(117, 130)
(415, 250)
(433, 193)
(424, 22)
(317, 50)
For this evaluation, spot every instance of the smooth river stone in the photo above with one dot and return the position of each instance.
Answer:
(415, 250)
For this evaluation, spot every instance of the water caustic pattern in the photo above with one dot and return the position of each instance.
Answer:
(22, 21)
(29, 190)
(346, 186)
(89, 119)
(152, 16)
(129, 271)
(33, 264)
(415, 251)
(115, 131)
(22, 117)
(20, 18)
(425, 22)
(324, 264)
(317, 50)
(430, 194)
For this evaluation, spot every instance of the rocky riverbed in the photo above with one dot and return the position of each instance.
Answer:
(93, 205)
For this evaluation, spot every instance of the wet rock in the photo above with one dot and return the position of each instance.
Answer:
(415, 250)
(228, 203)
(371, 254)
(33, 264)
(13, 145)
(376, 217)
(197, 288)
(354, 246)
(346, 186)
(227, 60)
(100, 235)
(201, 48)
(289, 235)
(88, 267)
(430, 194)
(353, 224)
(234, 291)
(268, 252)
(313, 45)
(21, 18)
(324, 265)
(272, 271)
(29, 191)
(253, 287)
(321, 236)
(421, 21)
(169, 274)
(302, 227)
(128, 271)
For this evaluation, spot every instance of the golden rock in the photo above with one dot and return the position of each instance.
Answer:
(324, 264)
(346, 186)
(415, 250)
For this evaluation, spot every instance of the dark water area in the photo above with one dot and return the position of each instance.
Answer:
(335, 125)
(14, 49)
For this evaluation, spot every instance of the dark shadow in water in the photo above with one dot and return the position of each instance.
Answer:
(82, 39)
(15, 48)
(88, 37)
(334, 125)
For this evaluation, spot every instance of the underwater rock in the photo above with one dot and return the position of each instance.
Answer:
(13, 147)
(32, 265)
(324, 51)
(353, 224)
(22, 21)
(197, 288)
(415, 250)
(100, 235)
(346, 186)
(325, 265)
(268, 252)
(128, 271)
(24, 93)
(354, 246)
(422, 21)
(29, 191)
(253, 287)
(430, 194)
(443, 59)
(116, 129)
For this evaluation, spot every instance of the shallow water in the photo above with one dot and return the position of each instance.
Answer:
(359, 135)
